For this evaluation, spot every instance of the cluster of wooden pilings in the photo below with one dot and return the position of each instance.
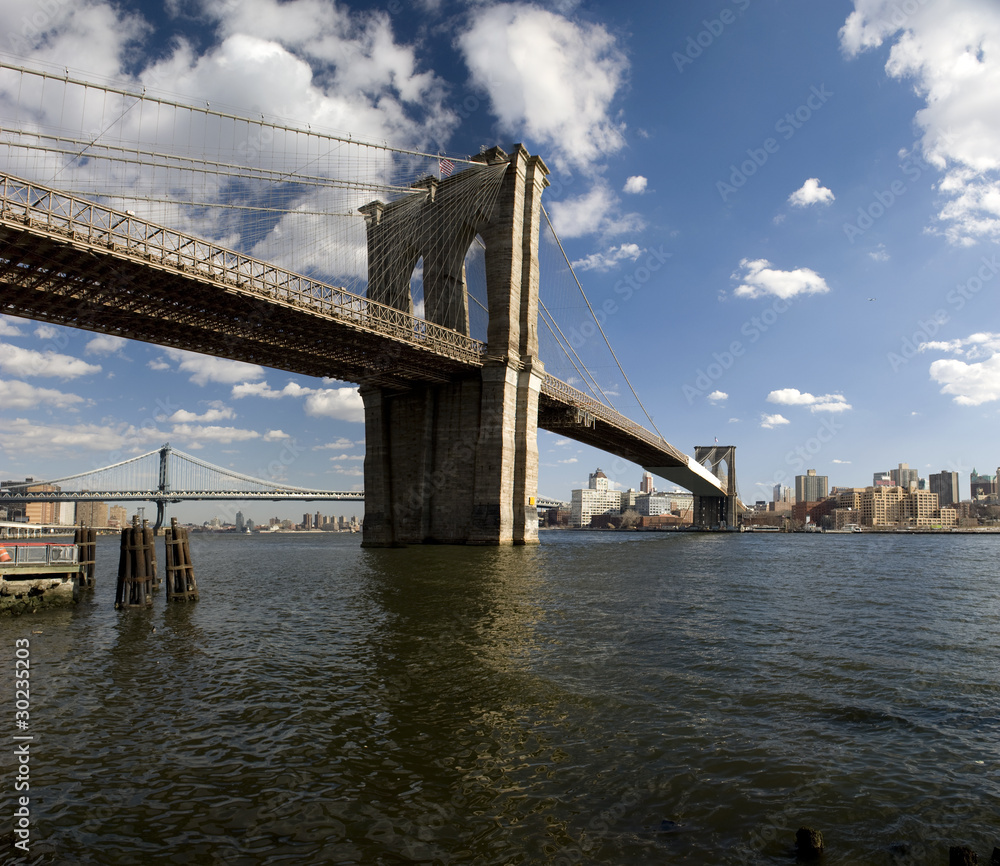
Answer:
(181, 585)
(136, 566)
(137, 576)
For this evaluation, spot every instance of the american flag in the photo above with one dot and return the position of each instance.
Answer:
(445, 166)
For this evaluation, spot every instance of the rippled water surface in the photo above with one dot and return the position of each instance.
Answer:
(600, 698)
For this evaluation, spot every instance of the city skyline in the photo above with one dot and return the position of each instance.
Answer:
(785, 216)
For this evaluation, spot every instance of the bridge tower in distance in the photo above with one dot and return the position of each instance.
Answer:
(712, 511)
(457, 461)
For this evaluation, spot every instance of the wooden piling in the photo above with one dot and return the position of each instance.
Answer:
(149, 551)
(85, 539)
(181, 584)
(135, 577)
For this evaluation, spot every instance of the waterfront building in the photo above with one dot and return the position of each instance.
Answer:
(92, 514)
(65, 513)
(811, 487)
(117, 516)
(653, 504)
(596, 499)
(945, 485)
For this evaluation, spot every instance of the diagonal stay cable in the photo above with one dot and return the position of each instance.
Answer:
(599, 328)
(553, 326)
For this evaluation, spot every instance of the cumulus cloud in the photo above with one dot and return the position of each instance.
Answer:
(549, 78)
(15, 394)
(276, 436)
(718, 396)
(823, 403)
(879, 254)
(595, 212)
(636, 185)
(21, 436)
(344, 404)
(9, 328)
(811, 193)
(105, 344)
(969, 384)
(759, 278)
(205, 369)
(769, 422)
(224, 435)
(608, 259)
(974, 347)
(951, 51)
(975, 380)
(217, 413)
(27, 362)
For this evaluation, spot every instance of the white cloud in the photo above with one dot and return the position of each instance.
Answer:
(974, 347)
(105, 344)
(970, 384)
(950, 51)
(339, 445)
(15, 394)
(570, 460)
(344, 404)
(43, 332)
(224, 435)
(636, 185)
(718, 396)
(31, 438)
(276, 436)
(218, 413)
(769, 422)
(349, 457)
(811, 193)
(8, 328)
(761, 279)
(824, 403)
(205, 369)
(548, 78)
(608, 259)
(879, 254)
(27, 362)
(595, 212)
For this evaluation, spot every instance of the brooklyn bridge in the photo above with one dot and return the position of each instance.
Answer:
(422, 279)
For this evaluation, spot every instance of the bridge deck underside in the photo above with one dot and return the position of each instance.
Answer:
(83, 286)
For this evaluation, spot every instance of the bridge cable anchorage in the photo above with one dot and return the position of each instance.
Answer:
(599, 328)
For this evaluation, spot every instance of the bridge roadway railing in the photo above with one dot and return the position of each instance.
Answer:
(80, 220)
(558, 390)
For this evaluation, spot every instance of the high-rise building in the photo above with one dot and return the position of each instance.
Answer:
(782, 493)
(982, 485)
(811, 487)
(240, 525)
(92, 513)
(905, 477)
(945, 485)
(597, 498)
(646, 486)
(882, 479)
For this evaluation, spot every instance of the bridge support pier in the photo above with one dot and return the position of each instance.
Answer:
(711, 512)
(457, 462)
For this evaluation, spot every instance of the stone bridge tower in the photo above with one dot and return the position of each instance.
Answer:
(458, 462)
(712, 511)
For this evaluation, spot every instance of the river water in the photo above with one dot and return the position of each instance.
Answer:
(600, 698)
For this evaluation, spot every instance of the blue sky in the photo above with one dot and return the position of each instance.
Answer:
(816, 183)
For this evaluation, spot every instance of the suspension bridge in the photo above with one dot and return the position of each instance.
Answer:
(438, 292)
